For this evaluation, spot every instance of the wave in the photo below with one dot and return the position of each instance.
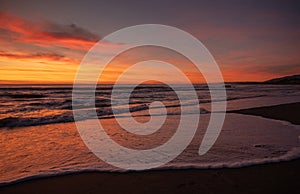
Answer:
(22, 95)
(67, 116)
(293, 154)
(13, 122)
(32, 105)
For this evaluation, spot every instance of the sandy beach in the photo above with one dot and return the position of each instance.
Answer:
(266, 178)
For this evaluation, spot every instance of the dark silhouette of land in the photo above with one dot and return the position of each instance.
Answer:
(294, 79)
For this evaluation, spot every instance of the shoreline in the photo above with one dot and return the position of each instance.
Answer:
(265, 178)
(268, 178)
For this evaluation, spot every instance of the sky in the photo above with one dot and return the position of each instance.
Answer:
(45, 41)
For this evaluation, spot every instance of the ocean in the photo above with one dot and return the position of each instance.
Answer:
(39, 138)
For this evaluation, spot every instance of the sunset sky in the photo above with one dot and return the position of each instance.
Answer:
(44, 41)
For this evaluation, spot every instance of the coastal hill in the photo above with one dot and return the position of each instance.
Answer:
(294, 79)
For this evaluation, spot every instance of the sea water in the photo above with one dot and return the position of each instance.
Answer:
(39, 138)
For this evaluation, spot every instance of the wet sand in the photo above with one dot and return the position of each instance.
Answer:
(267, 178)
(286, 112)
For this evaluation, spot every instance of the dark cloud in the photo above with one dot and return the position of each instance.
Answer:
(71, 31)
(16, 29)
(43, 56)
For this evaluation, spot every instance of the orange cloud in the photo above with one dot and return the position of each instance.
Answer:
(34, 52)
(43, 57)
(45, 33)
